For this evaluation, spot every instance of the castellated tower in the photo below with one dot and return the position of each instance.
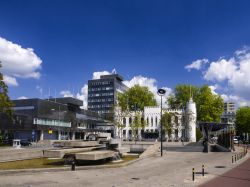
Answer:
(191, 116)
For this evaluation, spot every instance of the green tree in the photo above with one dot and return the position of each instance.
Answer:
(209, 106)
(138, 123)
(181, 96)
(166, 123)
(5, 103)
(243, 120)
(135, 98)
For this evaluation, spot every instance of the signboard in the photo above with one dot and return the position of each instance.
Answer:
(50, 131)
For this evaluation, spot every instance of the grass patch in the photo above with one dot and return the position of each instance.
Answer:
(33, 163)
(4, 146)
(52, 163)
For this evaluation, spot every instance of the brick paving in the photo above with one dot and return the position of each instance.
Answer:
(238, 176)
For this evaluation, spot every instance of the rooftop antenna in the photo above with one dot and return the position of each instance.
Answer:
(49, 94)
(55, 95)
(191, 95)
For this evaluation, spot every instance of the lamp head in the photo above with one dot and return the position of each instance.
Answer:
(161, 92)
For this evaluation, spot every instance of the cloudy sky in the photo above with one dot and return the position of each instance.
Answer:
(57, 46)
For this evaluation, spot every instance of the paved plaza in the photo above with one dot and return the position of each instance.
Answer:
(173, 169)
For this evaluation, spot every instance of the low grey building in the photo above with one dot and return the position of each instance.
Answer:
(58, 118)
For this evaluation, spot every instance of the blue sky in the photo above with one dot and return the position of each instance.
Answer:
(155, 39)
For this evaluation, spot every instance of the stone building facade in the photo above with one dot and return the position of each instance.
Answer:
(183, 123)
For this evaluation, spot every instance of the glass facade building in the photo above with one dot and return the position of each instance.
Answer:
(58, 118)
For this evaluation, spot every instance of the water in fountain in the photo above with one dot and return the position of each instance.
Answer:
(116, 157)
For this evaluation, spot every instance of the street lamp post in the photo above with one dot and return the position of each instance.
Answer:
(161, 92)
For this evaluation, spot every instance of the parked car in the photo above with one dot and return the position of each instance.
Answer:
(25, 143)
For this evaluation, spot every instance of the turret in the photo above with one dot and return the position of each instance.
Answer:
(191, 116)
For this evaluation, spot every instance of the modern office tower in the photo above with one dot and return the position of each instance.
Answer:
(102, 94)
(229, 114)
(229, 107)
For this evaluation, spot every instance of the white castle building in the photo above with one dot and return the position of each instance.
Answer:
(183, 123)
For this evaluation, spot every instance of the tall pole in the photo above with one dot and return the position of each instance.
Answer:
(161, 125)
(161, 92)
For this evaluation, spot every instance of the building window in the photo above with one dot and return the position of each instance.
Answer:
(124, 121)
(156, 121)
(142, 120)
(130, 121)
(152, 121)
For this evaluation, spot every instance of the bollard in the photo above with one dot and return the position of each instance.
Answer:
(232, 159)
(203, 170)
(73, 166)
(235, 158)
(193, 174)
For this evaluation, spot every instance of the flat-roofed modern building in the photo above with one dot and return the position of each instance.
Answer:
(229, 107)
(229, 114)
(53, 119)
(102, 94)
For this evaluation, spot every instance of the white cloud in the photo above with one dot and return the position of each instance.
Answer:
(98, 74)
(18, 62)
(221, 70)
(232, 76)
(66, 93)
(22, 97)
(151, 84)
(83, 95)
(213, 88)
(197, 64)
(11, 81)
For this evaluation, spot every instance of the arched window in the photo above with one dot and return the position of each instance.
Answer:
(147, 121)
(142, 120)
(124, 121)
(136, 120)
(130, 121)
(152, 121)
(176, 120)
(156, 121)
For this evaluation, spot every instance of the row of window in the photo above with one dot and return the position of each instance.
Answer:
(100, 106)
(142, 131)
(101, 100)
(101, 94)
(124, 121)
(101, 88)
(104, 111)
(101, 83)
